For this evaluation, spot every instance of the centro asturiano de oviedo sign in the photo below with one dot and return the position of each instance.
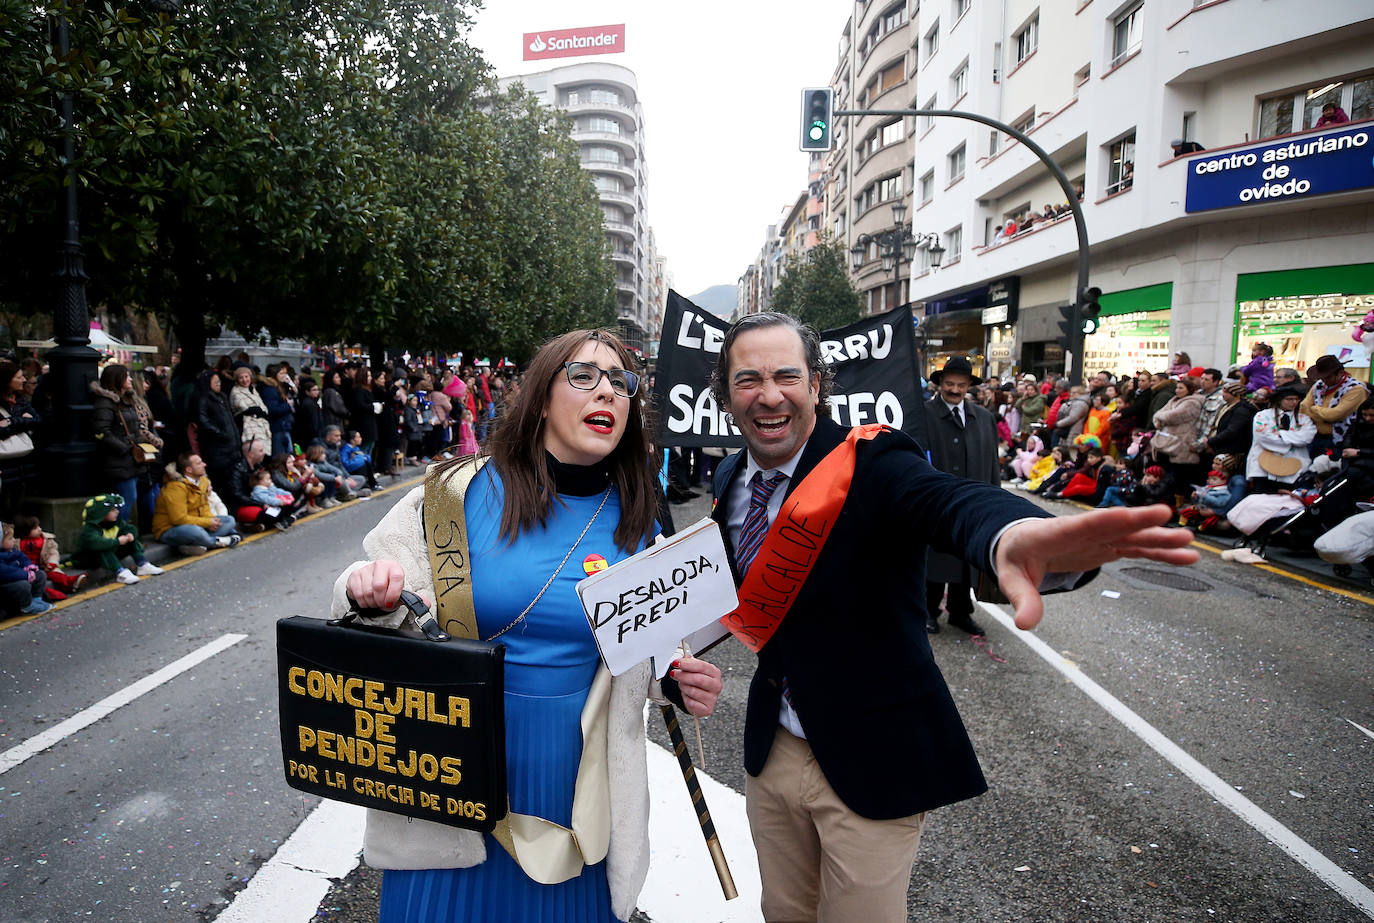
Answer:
(1294, 168)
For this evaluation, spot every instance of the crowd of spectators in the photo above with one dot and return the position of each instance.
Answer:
(1030, 220)
(1238, 452)
(196, 460)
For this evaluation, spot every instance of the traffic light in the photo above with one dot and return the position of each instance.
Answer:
(818, 117)
(1069, 335)
(1088, 309)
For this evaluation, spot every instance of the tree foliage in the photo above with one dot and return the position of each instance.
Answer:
(816, 289)
(343, 171)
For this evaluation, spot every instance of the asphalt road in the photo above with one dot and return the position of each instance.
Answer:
(163, 809)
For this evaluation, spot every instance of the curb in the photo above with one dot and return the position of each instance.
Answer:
(166, 557)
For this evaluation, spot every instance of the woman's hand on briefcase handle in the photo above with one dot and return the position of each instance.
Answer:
(377, 585)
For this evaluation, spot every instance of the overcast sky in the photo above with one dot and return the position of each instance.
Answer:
(721, 84)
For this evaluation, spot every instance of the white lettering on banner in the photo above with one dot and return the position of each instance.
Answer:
(709, 340)
(699, 414)
(852, 409)
(878, 345)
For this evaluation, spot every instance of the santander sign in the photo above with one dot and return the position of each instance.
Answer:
(572, 43)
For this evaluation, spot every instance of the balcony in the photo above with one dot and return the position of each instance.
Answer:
(585, 108)
(624, 171)
(628, 288)
(625, 142)
(624, 257)
(619, 227)
(619, 198)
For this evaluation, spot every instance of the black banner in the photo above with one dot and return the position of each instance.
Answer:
(874, 360)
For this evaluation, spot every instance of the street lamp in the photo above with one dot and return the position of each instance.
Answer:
(896, 246)
(69, 462)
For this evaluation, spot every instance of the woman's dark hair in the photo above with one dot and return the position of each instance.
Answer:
(154, 380)
(1188, 383)
(362, 378)
(7, 372)
(811, 347)
(112, 378)
(280, 463)
(516, 447)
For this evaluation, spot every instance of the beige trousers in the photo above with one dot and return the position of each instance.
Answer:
(819, 861)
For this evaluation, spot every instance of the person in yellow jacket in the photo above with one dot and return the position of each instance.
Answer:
(1331, 403)
(183, 517)
(1040, 468)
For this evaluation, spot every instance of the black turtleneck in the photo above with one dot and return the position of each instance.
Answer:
(579, 480)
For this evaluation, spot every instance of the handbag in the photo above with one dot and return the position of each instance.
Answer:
(143, 451)
(402, 721)
(16, 446)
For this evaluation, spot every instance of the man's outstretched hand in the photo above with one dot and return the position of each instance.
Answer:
(1071, 544)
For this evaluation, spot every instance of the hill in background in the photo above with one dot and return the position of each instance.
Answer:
(718, 299)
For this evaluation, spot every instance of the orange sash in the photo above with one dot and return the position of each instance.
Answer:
(793, 544)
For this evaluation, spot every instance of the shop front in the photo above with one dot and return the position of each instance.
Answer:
(953, 326)
(999, 321)
(1133, 332)
(1305, 314)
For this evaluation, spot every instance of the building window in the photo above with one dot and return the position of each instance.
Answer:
(961, 7)
(597, 96)
(890, 77)
(1080, 77)
(1302, 109)
(1121, 164)
(890, 188)
(1126, 33)
(958, 83)
(931, 43)
(1028, 39)
(599, 123)
(892, 132)
(956, 161)
(928, 187)
(1025, 123)
(607, 183)
(891, 20)
(878, 192)
(954, 243)
(994, 142)
(928, 121)
(601, 154)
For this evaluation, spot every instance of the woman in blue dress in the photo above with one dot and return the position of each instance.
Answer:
(568, 489)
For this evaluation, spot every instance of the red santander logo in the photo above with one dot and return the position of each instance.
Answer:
(572, 43)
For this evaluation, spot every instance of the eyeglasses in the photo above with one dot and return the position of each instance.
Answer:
(585, 376)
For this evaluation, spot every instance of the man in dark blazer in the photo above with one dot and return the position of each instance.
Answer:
(851, 734)
(963, 442)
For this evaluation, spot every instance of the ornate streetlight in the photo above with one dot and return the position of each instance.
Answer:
(896, 246)
(68, 466)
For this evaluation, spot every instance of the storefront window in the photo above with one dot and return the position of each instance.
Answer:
(956, 333)
(1133, 332)
(1303, 328)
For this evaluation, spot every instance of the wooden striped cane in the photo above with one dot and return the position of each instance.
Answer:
(708, 827)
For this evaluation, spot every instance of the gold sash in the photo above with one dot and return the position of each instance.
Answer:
(547, 852)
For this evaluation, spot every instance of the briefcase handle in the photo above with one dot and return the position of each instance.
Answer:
(413, 603)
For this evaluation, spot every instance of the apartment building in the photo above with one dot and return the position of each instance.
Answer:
(870, 168)
(1266, 233)
(608, 125)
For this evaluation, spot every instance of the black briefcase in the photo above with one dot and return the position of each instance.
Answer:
(394, 720)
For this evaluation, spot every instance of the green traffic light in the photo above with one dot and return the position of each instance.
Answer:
(817, 130)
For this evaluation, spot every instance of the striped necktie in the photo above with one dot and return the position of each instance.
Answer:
(756, 520)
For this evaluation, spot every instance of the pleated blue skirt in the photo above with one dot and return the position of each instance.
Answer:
(543, 747)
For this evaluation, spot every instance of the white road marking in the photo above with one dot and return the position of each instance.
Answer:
(1367, 731)
(682, 886)
(1301, 851)
(82, 719)
(291, 885)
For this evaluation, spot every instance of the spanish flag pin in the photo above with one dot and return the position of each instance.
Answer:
(593, 563)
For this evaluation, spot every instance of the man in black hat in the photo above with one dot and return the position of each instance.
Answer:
(1331, 402)
(963, 442)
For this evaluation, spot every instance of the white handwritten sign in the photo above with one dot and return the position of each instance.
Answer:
(646, 604)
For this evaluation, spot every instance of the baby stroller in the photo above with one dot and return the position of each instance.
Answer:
(1300, 529)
